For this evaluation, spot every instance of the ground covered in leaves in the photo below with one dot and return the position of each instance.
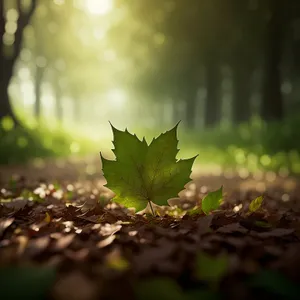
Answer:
(62, 239)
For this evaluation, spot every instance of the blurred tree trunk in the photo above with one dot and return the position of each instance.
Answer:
(187, 90)
(5, 105)
(241, 107)
(58, 101)
(213, 97)
(272, 102)
(38, 80)
(295, 73)
(176, 110)
(190, 108)
(7, 62)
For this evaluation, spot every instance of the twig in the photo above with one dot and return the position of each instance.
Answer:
(151, 208)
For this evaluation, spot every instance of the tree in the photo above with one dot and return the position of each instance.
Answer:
(191, 36)
(294, 76)
(49, 24)
(272, 104)
(243, 53)
(11, 44)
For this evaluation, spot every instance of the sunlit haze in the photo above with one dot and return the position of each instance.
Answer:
(99, 7)
(140, 65)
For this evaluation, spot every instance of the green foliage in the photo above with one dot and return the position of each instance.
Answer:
(256, 204)
(7, 123)
(26, 282)
(29, 195)
(254, 146)
(21, 144)
(250, 148)
(211, 269)
(142, 173)
(194, 211)
(212, 201)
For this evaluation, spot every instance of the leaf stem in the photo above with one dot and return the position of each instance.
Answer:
(151, 208)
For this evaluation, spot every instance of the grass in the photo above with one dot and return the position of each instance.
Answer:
(21, 144)
(255, 146)
(249, 147)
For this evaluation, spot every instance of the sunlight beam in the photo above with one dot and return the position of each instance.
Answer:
(99, 7)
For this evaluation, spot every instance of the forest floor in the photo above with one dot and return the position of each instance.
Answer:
(61, 239)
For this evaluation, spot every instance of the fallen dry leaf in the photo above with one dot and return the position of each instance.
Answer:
(37, 246)
(4, 224)
(277, 232)
(63, 242)
(96, 247)
(106, 241)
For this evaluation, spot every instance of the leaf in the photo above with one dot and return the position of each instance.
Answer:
(231, 228)
(143, 173)
(4, 224)
(211, 269)
(194, 211)
(277, 232)
(275, 283)
(263, 224)
(30, 196)
(159, 210)
(115, 260)
(15, 204)
(106, 242)
(26, 282)
(212, 200)
(256, 204)
(47, 218)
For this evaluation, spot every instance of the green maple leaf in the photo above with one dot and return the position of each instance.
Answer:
(142, 173)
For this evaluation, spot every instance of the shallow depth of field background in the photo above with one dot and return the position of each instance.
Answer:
(228, 69)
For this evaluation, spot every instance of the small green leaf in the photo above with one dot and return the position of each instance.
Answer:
(256, 204)
(69, 195)
(26, 282)
(194, 211)
(117, 262)
(262, 224)
(275, 283)
(212, 200)
(211, 269)
(143, 173)
(31, 196)
(57, 185)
